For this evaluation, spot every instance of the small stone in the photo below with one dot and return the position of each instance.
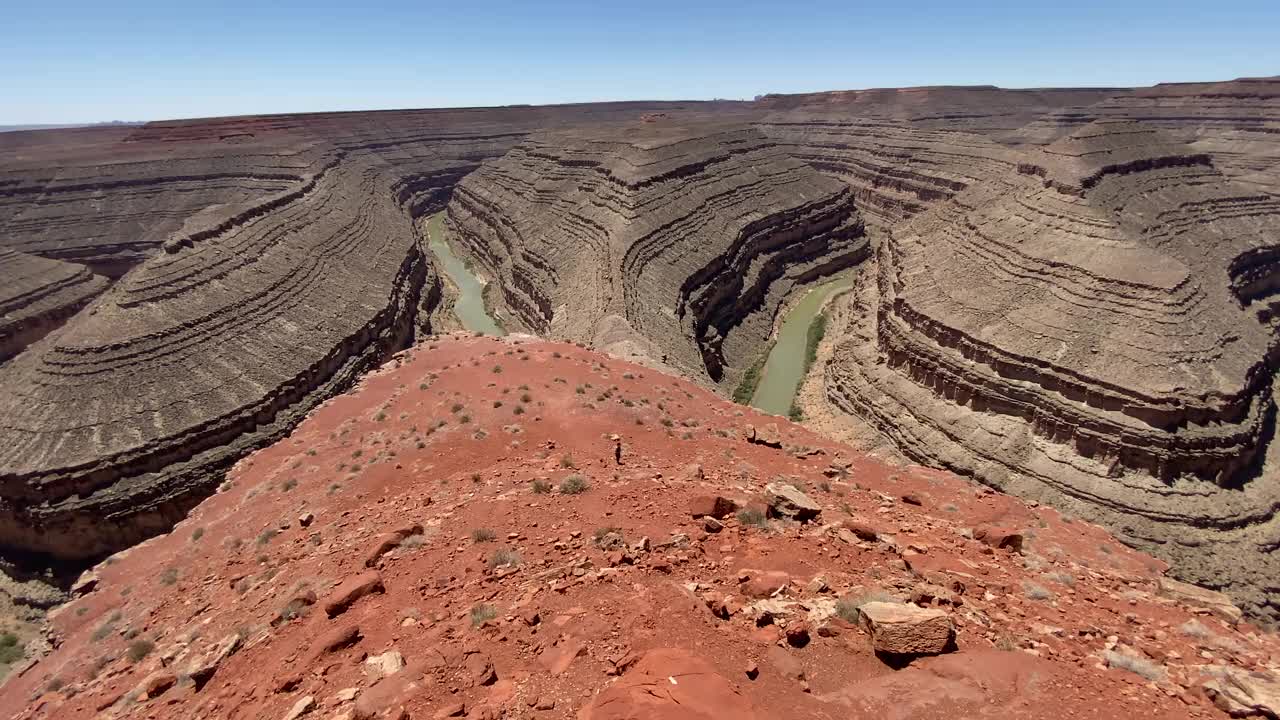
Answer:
(752, 670)
(305, 519)
(712, 525)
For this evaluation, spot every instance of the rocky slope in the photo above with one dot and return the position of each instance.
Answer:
(489, 528)
(679, 240)
(1070, 332)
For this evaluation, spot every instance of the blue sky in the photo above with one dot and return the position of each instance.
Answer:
(103, 60)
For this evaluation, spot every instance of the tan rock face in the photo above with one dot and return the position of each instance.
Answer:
(1195, 596)
(1241, 694)
(906, 629)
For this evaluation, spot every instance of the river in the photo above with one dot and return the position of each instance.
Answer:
(785, 369)
(469, 307)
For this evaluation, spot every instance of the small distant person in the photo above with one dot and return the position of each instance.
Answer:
(617, 449)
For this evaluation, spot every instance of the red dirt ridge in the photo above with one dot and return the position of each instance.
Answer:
(509, 528)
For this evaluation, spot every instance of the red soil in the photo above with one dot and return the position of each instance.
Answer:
(373, 461)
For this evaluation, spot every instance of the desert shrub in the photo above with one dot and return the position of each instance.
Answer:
(11, 649)
(266, 536)
(197, 534)
(169, 576)
(139, 649)
(541, 487)
(1036, 592)
(850, 608)
(751, 517)
(481, 613)
(574, 485)
(483, 535)
(502, 557)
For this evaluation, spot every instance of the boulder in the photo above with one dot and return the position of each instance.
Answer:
(386, 542)
(388, 663)
(787, 501)
(768, 436)
(999, 538)
(670, 684)
(351, 590)
(1198, 597)
(716, 506)
(765, 584)
(155, 684)
(906, 629)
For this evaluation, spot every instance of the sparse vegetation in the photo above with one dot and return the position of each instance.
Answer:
(574, 485)
(481, 613)
(504, 556)
(1037, 592)
(197, 534)
(751, 517)
(849, 608)
(169, 576)
(139, 649)
(266, 536)
(750, 379)
(541, 487)
(380, 417)
(482, 535)
(11, 649)
(289, 484)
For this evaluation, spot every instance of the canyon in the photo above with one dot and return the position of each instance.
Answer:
(1068, 295)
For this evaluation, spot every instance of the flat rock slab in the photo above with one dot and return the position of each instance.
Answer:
(670, 684)
(907, 630)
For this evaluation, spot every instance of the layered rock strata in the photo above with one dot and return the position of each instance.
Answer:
(261, 264)
(37, 295)
(113, 428)
(1071, 331)
(681, 241)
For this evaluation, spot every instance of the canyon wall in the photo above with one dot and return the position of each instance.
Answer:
(229, 274)
(1071, 332)
(677, 241)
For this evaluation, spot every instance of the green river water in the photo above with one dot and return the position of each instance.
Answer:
(470, 305)
(785, 368)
